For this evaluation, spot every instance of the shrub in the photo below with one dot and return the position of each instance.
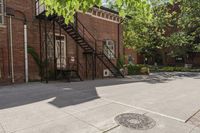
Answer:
(120, 63)
(137, 69)
(173, 69)
(145, 70)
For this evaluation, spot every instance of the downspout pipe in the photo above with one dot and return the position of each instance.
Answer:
(26, 52)
(124, 19)
(11, 52)
(10, 14)
(118, 30)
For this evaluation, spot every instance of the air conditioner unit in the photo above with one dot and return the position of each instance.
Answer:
(107, 73)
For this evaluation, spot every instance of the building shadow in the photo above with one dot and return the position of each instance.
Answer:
(68, 94)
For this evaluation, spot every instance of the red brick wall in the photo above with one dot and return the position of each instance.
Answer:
(101, 29)
(138, 59)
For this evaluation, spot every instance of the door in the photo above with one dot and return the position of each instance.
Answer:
(60, 52)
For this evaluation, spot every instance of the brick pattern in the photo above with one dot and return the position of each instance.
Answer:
(101, 29)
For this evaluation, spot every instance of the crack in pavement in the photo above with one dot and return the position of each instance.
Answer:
(111, 129)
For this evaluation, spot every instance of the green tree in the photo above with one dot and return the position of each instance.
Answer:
(173, 30)
(67, 8)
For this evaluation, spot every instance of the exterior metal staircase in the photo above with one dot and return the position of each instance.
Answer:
(85, 40)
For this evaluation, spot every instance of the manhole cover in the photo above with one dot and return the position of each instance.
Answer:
(135, 121)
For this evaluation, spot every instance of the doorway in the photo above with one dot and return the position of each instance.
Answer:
(60, 52)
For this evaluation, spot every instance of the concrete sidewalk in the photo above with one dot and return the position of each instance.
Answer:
(91, 106)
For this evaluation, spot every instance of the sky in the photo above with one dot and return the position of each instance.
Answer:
(104, 2)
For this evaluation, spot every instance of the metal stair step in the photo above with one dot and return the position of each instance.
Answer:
(79, 39)
(75, 36)
(63, 24)
(84, 46)
(71, 32)
(83, 43)
(61, 20)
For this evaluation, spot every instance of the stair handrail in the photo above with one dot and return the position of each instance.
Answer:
(113, 66)
(95, 40)
(83, 30)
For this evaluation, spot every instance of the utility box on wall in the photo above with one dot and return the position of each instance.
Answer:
(107, 73)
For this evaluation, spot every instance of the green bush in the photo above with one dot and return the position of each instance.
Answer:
(120, 63)
(144, 70)
(172, 69)
(137, 69)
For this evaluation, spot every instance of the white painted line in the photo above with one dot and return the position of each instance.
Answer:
(146, 110)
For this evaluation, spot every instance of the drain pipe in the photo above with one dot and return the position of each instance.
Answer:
(10, 14)
(11, 51)
(26, 52)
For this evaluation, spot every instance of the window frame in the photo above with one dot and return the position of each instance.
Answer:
(2, 14)
(111, 52)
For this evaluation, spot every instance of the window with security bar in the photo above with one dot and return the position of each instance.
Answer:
(109, 49)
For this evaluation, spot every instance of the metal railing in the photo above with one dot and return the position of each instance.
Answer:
(85, 34)
(105, 51)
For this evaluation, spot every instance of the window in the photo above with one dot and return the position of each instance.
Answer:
(60, 51)
(109, 49)
(1, 12)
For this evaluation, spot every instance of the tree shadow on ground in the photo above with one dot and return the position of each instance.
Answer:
(67, 94)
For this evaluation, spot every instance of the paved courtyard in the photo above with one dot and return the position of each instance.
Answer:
(172, 100)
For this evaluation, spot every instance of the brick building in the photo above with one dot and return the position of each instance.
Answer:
(88, 48)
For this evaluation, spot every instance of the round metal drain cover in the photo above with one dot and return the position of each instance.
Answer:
(135, 121)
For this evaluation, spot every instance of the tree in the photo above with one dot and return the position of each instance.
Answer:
(155, 24)
(67, 8)
(173, 30)
(190, 18)
(147, 36)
